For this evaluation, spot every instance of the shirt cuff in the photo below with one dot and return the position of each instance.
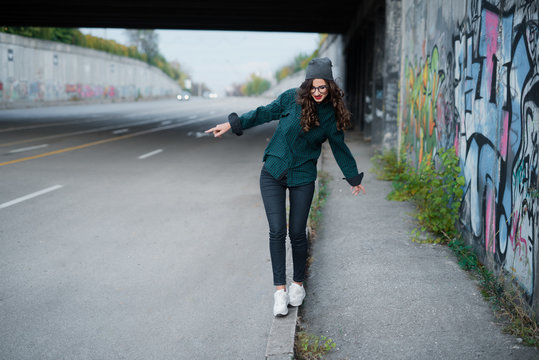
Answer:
(235, 123)
(356, 180)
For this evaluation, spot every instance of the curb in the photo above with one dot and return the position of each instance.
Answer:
(283, 328)
(282, 334)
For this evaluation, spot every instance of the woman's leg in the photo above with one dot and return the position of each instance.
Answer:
(274, 197)
(301, 198)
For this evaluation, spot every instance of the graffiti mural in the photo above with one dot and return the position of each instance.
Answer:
(478, 91)
(423, 82)
(496, 101)
(84, 91)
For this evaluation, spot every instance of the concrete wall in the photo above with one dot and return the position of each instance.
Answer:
(333, 49)
(39, 71)
(470, 81)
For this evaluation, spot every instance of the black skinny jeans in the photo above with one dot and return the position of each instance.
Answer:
(274, 197)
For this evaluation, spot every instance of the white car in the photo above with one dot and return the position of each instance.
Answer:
(209, 95)
(183, 96)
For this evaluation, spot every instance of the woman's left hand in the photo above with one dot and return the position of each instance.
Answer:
(358, 189)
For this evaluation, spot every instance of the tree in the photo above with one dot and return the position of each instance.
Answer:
(146, 42)
(257, 85)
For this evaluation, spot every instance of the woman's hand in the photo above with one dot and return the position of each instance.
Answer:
(357, 189)
(219, 130)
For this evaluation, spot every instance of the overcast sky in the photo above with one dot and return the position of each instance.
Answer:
(220, 58)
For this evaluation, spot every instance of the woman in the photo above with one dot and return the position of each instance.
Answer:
(307, 117)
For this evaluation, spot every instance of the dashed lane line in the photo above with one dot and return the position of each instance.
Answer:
(26, 127)
(28, 148)
(120, 131)
(103, 141)
(151, 153)
(30, 196)
(79, 132)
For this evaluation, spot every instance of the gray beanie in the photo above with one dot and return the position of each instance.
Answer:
(319, 68)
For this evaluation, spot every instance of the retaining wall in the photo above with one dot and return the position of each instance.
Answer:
(36, 71)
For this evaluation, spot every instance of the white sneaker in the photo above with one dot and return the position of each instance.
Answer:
(296, 294)
(280, 306)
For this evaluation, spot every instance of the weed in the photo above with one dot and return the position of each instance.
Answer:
(435, 188)
(312, 347)
(315, 214)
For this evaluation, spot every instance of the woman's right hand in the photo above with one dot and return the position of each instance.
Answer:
(219, 129)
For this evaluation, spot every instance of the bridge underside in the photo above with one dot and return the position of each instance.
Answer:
(278, 15)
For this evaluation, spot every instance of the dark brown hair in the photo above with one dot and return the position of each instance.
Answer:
(309, 116)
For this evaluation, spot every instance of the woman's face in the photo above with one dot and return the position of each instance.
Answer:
(319, 90)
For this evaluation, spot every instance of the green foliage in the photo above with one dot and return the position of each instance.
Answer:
(534, 192)
(388, 166)
(315, 214)
(466, 258)
(299, 62)
(256, 86)
(312, 347)
(435, 188)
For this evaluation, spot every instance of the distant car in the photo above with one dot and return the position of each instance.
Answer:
(183, 96)
(209, 95)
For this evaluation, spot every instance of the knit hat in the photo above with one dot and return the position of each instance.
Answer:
(319, 68)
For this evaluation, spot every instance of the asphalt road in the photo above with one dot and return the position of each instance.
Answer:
(128, 233)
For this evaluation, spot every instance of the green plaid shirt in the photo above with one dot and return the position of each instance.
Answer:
(292, 152)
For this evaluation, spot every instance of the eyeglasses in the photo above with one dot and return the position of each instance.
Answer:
(322, 89)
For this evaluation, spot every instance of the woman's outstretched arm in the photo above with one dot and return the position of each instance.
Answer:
(219, 129)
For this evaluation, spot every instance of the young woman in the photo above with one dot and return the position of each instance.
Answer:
(308, 116)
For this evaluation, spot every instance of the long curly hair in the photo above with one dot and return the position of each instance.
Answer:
(309, 115)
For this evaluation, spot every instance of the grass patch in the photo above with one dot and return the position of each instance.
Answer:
(311, 347)
(315, 214)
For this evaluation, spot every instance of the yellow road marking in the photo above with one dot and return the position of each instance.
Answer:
(26, 127)
(60, 151)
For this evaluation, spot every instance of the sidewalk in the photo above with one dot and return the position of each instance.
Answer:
(378, 295)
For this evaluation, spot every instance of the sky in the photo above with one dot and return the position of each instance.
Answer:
(221, 58)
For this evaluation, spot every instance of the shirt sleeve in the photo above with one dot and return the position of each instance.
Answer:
(261, 114)
(344, 157)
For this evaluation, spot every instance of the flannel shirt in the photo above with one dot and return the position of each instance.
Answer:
(292, 152)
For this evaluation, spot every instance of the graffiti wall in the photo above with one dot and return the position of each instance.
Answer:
(36, 71)
(471, 82)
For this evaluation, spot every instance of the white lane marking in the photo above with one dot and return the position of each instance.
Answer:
(166, 122)
(151, 153)
(28, 148)
(29, 196)
(81, 132)
(193, 116)
(120, 131)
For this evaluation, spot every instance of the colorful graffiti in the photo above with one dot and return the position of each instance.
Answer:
(496, 101)
(84, 91)
(480, 94)
(423, 82)
(47, 91)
